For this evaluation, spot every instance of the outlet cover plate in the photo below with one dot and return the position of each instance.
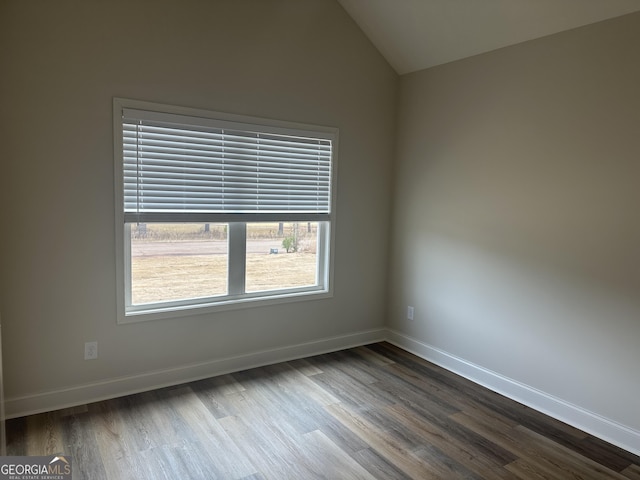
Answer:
(90, 350)
(409, 313)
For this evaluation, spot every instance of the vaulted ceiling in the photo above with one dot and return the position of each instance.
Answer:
(417, 34)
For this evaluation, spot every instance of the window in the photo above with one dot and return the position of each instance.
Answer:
(218, 211)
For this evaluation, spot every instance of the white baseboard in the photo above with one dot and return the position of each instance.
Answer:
(117, 387)
(592, 423)
(624, 437)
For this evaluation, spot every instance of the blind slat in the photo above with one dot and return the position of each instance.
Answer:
(176, 164)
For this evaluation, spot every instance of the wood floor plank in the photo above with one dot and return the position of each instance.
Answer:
(114, 443)
(567, 459)
(72, 410)
(164, 422)
(270, 422)
(286, 378)
(373, 357)
(632, 472)
(377, 465)
(444, 394)
(17, 435)
(524, 470)
(299, 402)
(546, 456)
(228, 461)
(603, 452)
(187, 462)
(370, 412)
(463, 388)
(291, 380)
(443, 465)
(81, 446)
(225, 384)
(399, 387)
(354, 366)
(219, 403)
(305, 367)
(135, 415)
(329, 460)
(258, 439)
(397, 454)
(349, 391)
(462, 451)
(44, 435)
(483, 446)
(408, 394)
(293, 400)
(291, 412)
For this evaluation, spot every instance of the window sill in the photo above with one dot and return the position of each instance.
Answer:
(142, 314)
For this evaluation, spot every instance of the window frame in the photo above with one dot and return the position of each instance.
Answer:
(235, 299)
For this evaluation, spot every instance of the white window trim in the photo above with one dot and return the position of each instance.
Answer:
(231, 301)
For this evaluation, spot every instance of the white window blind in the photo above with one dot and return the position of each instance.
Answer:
(176, 165)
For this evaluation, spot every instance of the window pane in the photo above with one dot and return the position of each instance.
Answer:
(178, 261)
(281, 255)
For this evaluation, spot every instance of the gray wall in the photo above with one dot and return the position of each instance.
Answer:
(516, 232)
(63, 62)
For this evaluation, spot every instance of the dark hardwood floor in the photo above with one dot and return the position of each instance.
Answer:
(367, 412)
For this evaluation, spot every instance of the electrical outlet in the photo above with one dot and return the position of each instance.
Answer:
(91, 350)
(409, 313)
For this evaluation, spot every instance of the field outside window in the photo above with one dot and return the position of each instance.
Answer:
(281, 255)
(180, 261)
